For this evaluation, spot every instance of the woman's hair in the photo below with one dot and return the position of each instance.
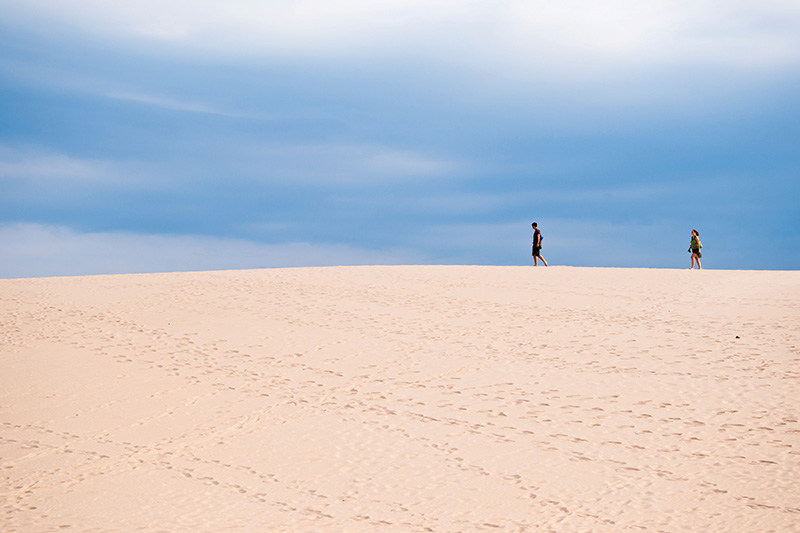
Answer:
(696, 232)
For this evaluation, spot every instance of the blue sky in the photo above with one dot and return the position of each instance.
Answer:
(143, 136)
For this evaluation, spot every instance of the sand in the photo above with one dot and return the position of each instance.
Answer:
(442, 399)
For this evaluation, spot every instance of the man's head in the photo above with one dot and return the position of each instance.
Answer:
(534, 225)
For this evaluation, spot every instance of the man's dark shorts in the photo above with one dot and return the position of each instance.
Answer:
(536, 250)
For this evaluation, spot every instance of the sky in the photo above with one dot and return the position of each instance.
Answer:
(184, 135)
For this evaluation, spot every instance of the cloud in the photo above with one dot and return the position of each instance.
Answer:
(630, 31)
(51, 172)
(34, 164)
(32, 250)
(331, 164)
(541, 33)
(171, 104)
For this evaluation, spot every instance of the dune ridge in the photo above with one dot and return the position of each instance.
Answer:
(418, 398)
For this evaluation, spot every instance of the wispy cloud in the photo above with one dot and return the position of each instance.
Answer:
(38, 165)
(301, 164)
(26, 165)
(172, 104)
(31, 250)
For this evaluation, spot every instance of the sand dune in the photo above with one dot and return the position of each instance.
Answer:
(442, 399)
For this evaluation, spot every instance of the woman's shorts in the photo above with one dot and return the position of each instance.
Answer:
(697, 253)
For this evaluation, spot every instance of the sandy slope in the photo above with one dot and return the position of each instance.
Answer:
(402, 399)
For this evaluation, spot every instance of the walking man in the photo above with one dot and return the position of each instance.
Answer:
(537, 246)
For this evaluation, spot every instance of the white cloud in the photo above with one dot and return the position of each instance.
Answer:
(31, 250)
(333, 164)
(35, 164)
(170, 103)
(55, 172)
(538, 33)
(643, 31)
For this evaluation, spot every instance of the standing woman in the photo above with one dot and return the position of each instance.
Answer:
(694, 247)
